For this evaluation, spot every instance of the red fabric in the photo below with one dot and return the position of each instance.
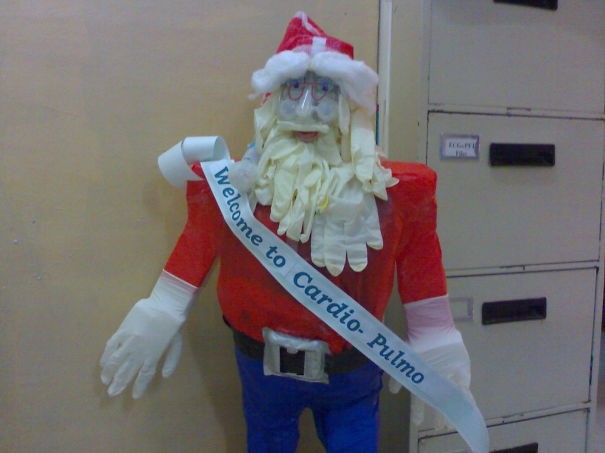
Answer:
(300, 32)
(251, 299)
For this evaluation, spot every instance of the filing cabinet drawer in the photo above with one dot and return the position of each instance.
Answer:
(485, 53)
(565, 433)
(531, 350)
(513, 213)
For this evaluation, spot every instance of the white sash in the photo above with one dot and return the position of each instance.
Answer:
(342, 313)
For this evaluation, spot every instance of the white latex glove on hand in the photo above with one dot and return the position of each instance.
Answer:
(150, 328)
(433, 336)
(452, 362)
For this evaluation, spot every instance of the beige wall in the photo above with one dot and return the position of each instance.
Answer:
(90, 93)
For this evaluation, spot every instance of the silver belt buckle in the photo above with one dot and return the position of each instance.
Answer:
(314, 356)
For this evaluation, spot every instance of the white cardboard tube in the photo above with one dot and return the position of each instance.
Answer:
(175, 164)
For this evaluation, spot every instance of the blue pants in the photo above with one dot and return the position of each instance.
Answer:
(345, 410)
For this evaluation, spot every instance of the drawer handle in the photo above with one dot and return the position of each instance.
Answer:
(543, 4)
(503, 311)
(521, 154)
(529, 448)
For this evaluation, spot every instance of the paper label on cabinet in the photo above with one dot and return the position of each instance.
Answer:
(456, 146)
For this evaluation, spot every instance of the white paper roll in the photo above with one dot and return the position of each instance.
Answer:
(175, 164)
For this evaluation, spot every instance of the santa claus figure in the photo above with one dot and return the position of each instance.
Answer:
(317, 182)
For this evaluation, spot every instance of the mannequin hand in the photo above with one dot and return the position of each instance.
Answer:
(150, 329)
(137, 346)
(432, 334)
(452, 362)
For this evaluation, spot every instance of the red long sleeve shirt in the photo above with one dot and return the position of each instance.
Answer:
(251, 299)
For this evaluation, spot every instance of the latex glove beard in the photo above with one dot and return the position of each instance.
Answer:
(319, 171)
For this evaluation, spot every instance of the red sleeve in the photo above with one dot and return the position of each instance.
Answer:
(420, 273)
(198, 244)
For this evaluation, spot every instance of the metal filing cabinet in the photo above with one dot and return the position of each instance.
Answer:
(511, 117)
(484, 53)
(506, 213)
(552, 434)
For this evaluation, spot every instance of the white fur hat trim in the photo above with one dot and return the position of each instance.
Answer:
(356, 79)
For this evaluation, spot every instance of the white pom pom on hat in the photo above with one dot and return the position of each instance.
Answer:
(306, 47)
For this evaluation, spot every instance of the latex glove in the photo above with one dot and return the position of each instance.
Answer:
(149, 329)
(344, 232)
(433, 335)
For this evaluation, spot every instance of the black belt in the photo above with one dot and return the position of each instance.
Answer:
(345, 362)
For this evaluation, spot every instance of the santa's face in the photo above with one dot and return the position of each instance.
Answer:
(308, 104)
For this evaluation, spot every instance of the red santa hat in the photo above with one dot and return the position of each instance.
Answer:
(306, 47)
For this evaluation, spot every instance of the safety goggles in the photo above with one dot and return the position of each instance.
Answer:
(320, 87)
